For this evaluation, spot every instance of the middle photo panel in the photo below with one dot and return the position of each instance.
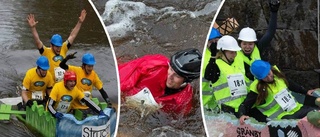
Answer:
(158, 46)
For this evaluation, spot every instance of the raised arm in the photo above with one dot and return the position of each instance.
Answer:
(267, 37)
(32, 23)
(76, 29)
(63, 64)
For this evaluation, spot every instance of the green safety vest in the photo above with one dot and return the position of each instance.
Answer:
(206, 58)
(208, 99)
(221, 90)
(271, 108)
(255, 55)
(207, 96)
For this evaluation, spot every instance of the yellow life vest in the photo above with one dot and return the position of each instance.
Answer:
(255, 55)
(232, 86)
(277, 91)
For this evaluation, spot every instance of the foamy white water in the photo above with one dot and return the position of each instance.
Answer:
(119, 15)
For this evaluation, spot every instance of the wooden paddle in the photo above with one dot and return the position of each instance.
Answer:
(5, 112)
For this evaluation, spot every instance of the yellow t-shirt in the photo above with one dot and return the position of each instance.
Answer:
(54, 61)
(65, 98)
(85, 83)
(36, 85)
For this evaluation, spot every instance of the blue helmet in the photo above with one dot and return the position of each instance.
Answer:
(43, 62)
(88, 59)
(56, 40)
(214, 34)
(260, 69)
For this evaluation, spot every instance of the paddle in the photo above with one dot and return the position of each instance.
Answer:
(5, 112)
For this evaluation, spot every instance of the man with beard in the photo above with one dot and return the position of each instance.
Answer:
(58, 49)
(154, 80)
(65, 93)
(86, 79)
(37, 83)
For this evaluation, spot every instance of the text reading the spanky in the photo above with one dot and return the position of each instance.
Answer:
(246, 132)
(96, 131)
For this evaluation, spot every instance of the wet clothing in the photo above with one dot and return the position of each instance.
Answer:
(35, 85)
(54, 60)
(62, 100)
(150, 72)
(279, 103)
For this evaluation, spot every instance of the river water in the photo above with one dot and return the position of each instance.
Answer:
(18, 52)
(137, 28)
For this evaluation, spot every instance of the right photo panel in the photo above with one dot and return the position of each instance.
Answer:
(260, 70)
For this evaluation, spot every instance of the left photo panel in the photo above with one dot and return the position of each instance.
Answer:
(58, 72)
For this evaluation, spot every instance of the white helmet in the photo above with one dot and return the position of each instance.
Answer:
(247, 34)
(227, 42)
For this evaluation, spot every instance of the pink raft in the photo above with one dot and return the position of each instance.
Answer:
(307, 129)
(226, 125)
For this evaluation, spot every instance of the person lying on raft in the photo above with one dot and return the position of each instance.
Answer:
(270, 93)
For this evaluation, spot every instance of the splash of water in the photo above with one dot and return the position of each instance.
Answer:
(119, 15)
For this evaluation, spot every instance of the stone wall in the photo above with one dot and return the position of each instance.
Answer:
(294, 48)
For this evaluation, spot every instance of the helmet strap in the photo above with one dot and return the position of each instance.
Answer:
(183, 84)
(38, 71)
(84, 68)
(65, 85)
(224, 54)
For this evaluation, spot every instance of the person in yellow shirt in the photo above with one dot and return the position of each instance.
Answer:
(58, 49)
(87, 79)
(37, 83)
(65, 93)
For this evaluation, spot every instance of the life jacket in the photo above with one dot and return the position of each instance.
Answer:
(231, 87)
(277, 91)
(208, 100)
(206, 58)
(255, 55)
(207, 94)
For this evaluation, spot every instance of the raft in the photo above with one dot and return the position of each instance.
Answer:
(43, 123)
(227, 125)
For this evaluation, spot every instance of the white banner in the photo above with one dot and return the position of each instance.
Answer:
(96, 131)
